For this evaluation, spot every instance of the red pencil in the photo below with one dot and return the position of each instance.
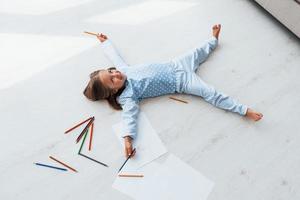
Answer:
(78, 125)
(67, 166)
(83, 131)
(91, 137)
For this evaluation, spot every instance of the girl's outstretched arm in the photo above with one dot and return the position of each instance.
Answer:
(129, 118)
(111, 52)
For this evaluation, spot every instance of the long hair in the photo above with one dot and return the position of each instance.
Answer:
(95, 90)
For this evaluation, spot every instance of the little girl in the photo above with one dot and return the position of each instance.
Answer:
(126, 87)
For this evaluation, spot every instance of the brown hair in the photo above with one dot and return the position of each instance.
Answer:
(95, 90)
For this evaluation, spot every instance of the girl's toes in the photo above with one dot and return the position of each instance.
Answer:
(258, 117)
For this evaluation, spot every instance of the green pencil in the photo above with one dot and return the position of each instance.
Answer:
(85, 134)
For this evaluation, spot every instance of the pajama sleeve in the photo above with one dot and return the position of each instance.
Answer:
(112, 54)
(129, 117)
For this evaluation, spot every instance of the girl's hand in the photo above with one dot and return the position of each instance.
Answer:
(128, 146)
(101, 37)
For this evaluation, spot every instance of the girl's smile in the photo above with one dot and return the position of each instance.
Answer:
(112, 78)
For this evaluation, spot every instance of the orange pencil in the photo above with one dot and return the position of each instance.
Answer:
(67, 131)
(91, 137)
(131, 175)
(178, 100)
(67, 166)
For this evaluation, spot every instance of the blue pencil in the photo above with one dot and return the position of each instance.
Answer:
(51, 166)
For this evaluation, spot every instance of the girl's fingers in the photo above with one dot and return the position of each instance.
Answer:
(130, 152)
(133, 153)
(127, 151)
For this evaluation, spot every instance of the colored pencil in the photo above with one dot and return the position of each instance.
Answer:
(85, 128)
(101, 163)
(178, 100)
(131, 175)
(86, 133)
(67, 131)
(90, 33)
(91, 136)
(43, 165)
(127, 159)
(67, 166)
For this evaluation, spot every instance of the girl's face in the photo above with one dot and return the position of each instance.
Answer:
(112, 79)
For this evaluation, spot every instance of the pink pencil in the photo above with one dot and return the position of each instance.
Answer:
(91, 137)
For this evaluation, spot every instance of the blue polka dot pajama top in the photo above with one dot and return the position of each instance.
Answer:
(175, 76)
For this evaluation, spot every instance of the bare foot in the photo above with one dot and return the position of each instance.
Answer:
(216, 30)
(251, 114)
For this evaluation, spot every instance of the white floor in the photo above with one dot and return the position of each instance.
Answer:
(44, 67)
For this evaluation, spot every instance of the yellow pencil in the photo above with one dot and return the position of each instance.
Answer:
(90, 33)
(178, 100)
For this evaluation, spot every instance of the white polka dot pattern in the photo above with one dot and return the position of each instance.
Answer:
(144, 81)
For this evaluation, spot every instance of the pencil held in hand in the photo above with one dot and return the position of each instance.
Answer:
(90, 33)
(101, 37)
(127, 159)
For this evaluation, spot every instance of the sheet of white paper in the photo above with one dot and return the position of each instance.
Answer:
(173, 179)
(180, 181)
(147, 143)
(135, 187)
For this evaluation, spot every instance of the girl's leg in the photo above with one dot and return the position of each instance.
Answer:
(198, 87)
(191, 60)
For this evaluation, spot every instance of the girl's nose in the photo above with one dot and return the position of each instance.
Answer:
(117, 74)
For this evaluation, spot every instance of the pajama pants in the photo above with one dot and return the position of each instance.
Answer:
(188, 82)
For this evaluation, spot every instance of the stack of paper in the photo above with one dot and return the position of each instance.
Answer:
(172, 180)
(147, 143)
